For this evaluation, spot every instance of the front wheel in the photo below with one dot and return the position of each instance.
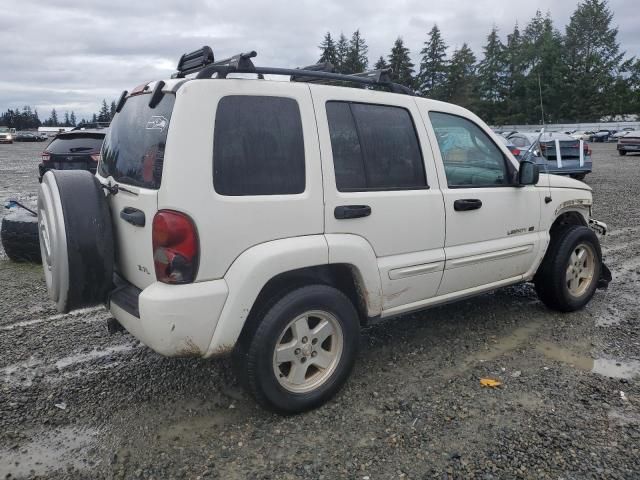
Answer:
(302, 351)
(568, 276)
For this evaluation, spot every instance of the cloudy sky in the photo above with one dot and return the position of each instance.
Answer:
(69, 54)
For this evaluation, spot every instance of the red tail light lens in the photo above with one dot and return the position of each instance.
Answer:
(96, 157)
(175, 247)
(587, 149)
(516, 152)
(45, 156)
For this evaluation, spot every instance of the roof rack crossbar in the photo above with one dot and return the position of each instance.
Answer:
(194, 61)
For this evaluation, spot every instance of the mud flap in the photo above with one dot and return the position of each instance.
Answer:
(605, 277)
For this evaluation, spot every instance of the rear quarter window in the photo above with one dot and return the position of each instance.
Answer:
(258, 146)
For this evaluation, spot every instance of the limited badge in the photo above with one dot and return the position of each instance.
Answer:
(157, 122)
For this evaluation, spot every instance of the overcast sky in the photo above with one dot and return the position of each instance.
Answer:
(69, 54)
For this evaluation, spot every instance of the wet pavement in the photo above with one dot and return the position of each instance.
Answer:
(76, 402)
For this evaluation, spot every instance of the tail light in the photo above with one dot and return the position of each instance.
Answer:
(45, 156)
(175, 247)
(96, 157)
(515, 151)
(587, 149)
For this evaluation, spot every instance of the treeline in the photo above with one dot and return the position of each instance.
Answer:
(27, 118)
(581, 74)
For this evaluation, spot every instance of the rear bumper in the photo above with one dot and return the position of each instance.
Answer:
(42, 168)
(629, 147)
(173, 320)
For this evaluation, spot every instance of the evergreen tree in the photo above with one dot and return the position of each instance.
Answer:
(67, 123)
(94, 118)
(342, 48)
(103, 115)
(460, 84)
(72, 119)
(381, 64)
(329, 50)
(400, 62)
(356, 59)
(515, 60)
(491, 78)
(112, 110)
(433, 66)
(53, 120)
(592, 56)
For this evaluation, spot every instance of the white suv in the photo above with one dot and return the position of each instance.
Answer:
(273, 219)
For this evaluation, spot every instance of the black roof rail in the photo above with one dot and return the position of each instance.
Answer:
(202, 62)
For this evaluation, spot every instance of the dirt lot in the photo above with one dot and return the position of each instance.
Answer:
(76, 402)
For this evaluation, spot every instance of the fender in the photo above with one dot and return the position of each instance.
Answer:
(251, 271)
(356, 251)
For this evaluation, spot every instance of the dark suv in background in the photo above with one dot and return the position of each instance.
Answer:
(78, 149)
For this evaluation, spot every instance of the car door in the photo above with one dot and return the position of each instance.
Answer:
(492, 230)
(380, 185)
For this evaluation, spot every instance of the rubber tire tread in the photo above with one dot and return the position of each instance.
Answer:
(254, 361)
(550, 280)
(19, 233)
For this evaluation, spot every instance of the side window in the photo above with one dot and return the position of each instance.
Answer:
(470, 157)
(258, 148)
(375, 147)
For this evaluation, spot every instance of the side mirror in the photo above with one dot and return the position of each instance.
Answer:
(528, 174)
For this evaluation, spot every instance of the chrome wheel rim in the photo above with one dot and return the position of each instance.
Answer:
(580, 270)
(308, 351)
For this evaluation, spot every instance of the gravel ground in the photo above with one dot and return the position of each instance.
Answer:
(76, 402)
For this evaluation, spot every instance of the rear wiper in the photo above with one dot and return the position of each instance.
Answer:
(80, 149)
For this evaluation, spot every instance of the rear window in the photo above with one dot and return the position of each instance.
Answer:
(133, 150)
(258, 147)
(76, 143)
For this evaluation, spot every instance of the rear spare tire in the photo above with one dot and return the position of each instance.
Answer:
(19, 234)
(76, 239)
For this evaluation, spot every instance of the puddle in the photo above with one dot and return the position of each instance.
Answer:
(602, 366)
(52, 450)
(192, 428)
(499, 346)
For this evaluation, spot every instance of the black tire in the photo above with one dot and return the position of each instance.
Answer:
(579, 176)
(622, 153)
(19, 234)
(254, 356)
(550, 280)
(76, 239)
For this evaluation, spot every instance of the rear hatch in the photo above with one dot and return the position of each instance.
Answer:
(132, 159)
(74, 151)
(569, 150)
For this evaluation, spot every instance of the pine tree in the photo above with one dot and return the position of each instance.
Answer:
(356, 59)
(342, 48)
(103, 114)
(433, 66)
(592, 56)
(400, 62)
(381, 64)
(515, 60)
(53, 120)
(72, 119)
(112, 110)
(67, 123)
(94, 118)
(329, 52)
(491, 78)
(460, 85)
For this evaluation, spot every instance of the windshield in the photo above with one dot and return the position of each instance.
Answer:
(133, 151)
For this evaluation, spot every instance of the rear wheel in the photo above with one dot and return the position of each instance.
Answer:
(76, 239)
(579, 176)
(622, 153)
(19, 234)
(302, 351)
(568, 276)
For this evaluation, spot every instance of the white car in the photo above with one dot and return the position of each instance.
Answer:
(583, 135)
(273, 219)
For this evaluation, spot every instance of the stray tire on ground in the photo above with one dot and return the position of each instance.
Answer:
(19, 234)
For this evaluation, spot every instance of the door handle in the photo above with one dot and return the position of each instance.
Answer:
(133, 216)
(351, 211)
(467, 204)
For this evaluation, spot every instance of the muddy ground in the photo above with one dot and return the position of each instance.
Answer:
(76, 402)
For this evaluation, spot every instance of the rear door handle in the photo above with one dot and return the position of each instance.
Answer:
(133, 216)
(351, 211)
(467, 204)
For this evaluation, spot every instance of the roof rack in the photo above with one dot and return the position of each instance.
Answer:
(202, 61)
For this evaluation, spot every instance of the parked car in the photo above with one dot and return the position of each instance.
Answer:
(26, 137)
(73, 150)
(6, 136)
(601, 136)
(571, 161)
(512, 148)
(42, 136)
(630, 143)
(621, 133)
(582, 135)
(272, 219)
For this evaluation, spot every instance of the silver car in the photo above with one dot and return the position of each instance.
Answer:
(571, 160)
